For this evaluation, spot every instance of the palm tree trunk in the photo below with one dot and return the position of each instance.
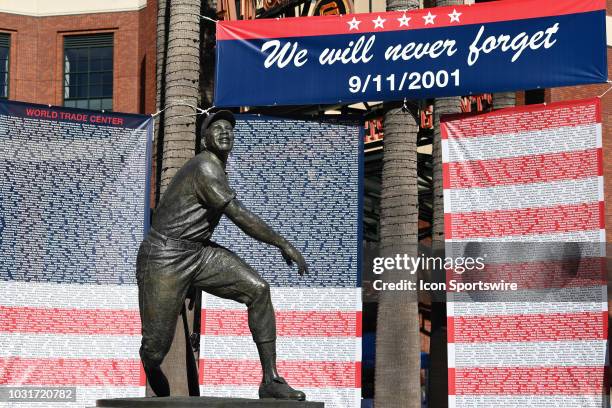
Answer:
(398, 343)
(160, 97)
(181, 73)
(504, 100)
(398, 349)
(182, 87)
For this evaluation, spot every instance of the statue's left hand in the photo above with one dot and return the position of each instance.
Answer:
(292, 255)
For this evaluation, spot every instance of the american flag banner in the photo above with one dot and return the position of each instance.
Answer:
(303, 178)
(523, 189)
(73, 210)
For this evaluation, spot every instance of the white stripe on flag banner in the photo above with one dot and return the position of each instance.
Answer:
(288, 298)
(588, 296)
(521, 195)
(508, 145)
(288, 348)
(51, 345)
(463, 308)
(511, 354)
(594, 235)
(78, 296)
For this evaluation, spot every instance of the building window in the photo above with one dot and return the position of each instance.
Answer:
(88, 71)
(5, 47)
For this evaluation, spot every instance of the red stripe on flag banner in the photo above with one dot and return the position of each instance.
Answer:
(450, 329)
(539, 275)
(451, 381)
(526, 221)
(539, 168)
(530, 327)
(319, 374)
(332, 25)
(600, 162)
(525, 119)
(529, 380)
(70, 371)
(288, 323)
(69, 321)
(448, 232)
(445, 176)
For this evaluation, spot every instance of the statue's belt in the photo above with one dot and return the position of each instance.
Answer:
(160, 239)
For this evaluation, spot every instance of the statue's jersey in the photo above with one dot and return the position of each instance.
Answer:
(193, 203)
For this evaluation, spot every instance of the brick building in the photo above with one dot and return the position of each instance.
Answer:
(96, 55)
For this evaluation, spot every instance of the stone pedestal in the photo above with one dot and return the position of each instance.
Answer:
(204, 402)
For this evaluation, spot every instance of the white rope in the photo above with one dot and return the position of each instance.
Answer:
(198, 111)
(208, 18)
(607, 90)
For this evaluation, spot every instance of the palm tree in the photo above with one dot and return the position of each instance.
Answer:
(178, 71)
(182, 89)
(438, 374)
(504, 100)
(398, 342)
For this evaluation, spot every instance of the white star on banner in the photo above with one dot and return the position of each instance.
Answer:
(354, 24)
(379, 22)
(454, 16)
(429, 18)
(403, 20)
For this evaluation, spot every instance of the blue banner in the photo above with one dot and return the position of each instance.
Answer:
(444, 51)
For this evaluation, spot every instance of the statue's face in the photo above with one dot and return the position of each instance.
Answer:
(220, 137)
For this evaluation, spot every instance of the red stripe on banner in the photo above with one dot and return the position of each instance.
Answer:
(528, 118)
(70, 371)
(332, 25)
(443, 129)
(598, 100)
(530, 380)
(69, 321)
(539, 168)
(526, 221)
(359, 325)
(448, 232)
(288, 323)
(583, 272)
(450, 329)
(319, 374)
(451, 381)
(602, 215)
(600, 162)
(445, 176)
(143, 377)
(358, 374)
(531, 327)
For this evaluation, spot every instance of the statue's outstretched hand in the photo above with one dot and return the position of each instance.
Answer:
(292, 255)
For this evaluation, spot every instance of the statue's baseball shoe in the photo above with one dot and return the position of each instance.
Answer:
(279, 389)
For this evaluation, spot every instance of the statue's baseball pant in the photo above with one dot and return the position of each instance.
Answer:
(167, 268)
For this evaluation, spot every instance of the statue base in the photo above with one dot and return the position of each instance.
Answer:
(204, 402)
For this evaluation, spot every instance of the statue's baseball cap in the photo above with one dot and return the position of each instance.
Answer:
(215, 116)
